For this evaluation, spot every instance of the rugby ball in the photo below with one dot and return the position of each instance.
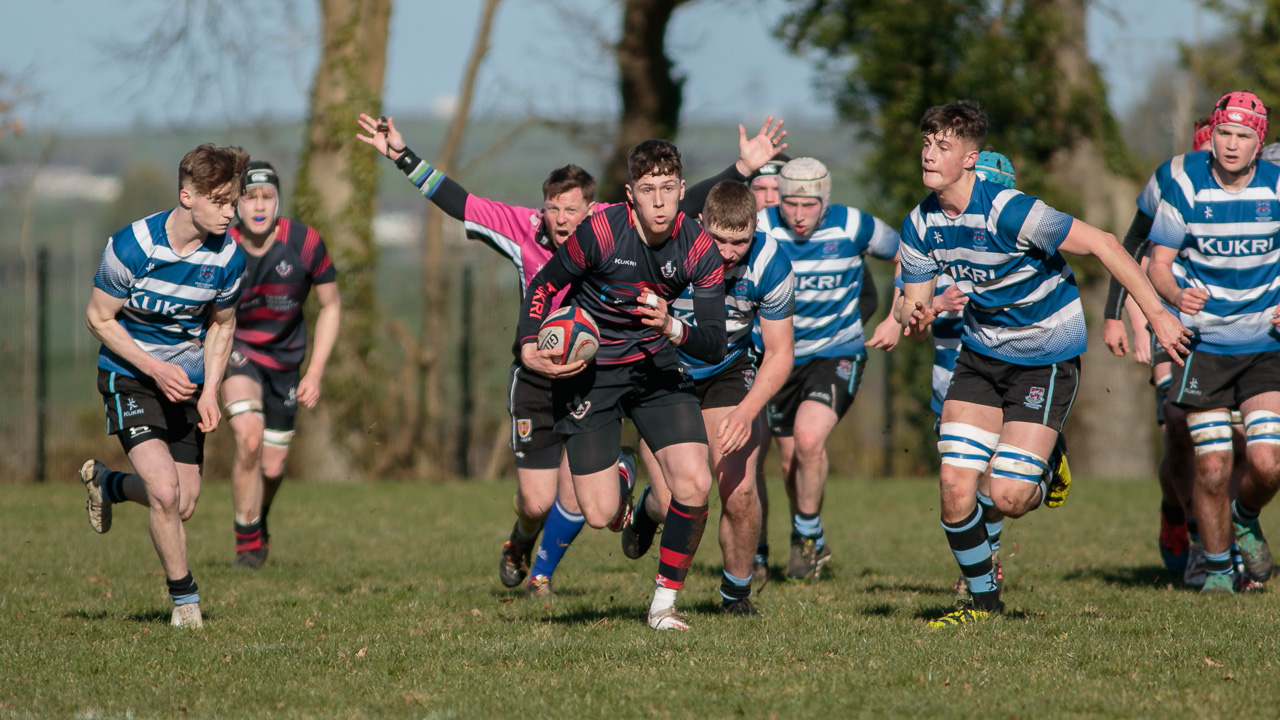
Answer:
(572, 333)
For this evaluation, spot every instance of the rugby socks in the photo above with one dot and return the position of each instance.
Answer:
(1193, 530)
(809, 526)
(271, 486)
(762, 554)
(969, 544)
(183, 591)
(994, 529)
(113, 486)
(1218, 563)
(559, 532)
(249, 536)
(734, 588)
(642, 522)
(1243, 514)
(1173, 514)
(680, 537)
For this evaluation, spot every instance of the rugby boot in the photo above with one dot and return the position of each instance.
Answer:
(1059, 475)
(639, 530)
(807, 559)
(1196, 571)
(965, 615)
(740, 608)
(626, 487)
(516, 552)
(187, 616)
(669, 619)
(93, 474)
(1217, 584)
(1254, 550)
(1175, 546)
(250, 559)
(539, 588)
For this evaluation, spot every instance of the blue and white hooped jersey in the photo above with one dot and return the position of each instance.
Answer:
(1024, 307)
(1226, 243)
(828, 266)
(168, 298)
(947, 329)
(1149, 199)
(763, 286)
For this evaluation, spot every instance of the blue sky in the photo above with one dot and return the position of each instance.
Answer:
(545, 56)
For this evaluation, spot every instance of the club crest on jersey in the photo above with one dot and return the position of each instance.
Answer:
(830, 248)
(669, 270)
(741, 287)
(1264, 209)
(524, 428)
(284, 268)
(844, 370)
(979, 238)
(205, 278)
(582, 410)
(749, 377)
(1034, 399)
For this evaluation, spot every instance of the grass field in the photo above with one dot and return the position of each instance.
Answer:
(382, 600)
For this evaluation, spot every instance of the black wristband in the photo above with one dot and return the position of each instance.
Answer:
(407, 162)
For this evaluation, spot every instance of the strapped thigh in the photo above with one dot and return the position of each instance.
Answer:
(1262, 427)
(1013, 463)
(1210, 431)
(240, 407)
(967, 446)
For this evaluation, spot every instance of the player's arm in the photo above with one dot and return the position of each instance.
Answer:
(889, 331)
(1084, 239)
(217, 348)
(1189, 300)
(1135, 243)
(753, 153)
(447, 195)
(570, 262)
(101, 319)
(326, 334)
(778, 337)
(916, 305)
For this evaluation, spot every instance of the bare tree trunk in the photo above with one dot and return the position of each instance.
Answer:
(1112, 388)
(336, 192)
(651, 95)
(426, 433)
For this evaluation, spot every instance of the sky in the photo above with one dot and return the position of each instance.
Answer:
(546, 55)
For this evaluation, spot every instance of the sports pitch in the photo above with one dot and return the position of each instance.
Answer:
(382, 600)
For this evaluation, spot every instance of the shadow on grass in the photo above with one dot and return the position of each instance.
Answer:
(596, 616)
(906, 587)
(1140, 576)
(156, 616)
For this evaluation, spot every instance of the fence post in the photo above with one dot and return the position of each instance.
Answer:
(42, 359)
(466, 398)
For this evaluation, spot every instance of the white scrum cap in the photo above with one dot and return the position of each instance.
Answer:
(805, 177)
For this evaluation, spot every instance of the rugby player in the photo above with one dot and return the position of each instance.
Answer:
(163, 305)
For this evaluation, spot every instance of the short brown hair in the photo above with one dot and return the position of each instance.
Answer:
(653, 157)
(961, 119)
(730, 206)
(570, 177)
(209, 168)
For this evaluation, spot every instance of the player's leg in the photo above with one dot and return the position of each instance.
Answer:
(561, 528)
(650, 509)
(593, 461)
(809, 550)
(1259, 486)
(1177, 457)
(539, 451)
(242, 403)
(163, 496)
(760, 564)
(280, 412)
(740, 513)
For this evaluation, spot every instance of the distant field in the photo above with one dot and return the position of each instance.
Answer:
(381, 600)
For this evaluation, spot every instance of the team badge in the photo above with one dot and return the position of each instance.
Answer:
(741, 287)
(749, 377)
(830, 248)
(669, 270)
(1034, 399)
(238, 359)
(844, 370)
(937, 237)
(292, 400)
(524, 427)
(1264, 209)
(206, 273)
(582, 410)
(1208, 213)
(979, 237)
(284, 269)
(1192, 388)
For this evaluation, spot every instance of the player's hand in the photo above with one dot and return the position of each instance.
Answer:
(886, 336)
(920, 321)
(1275, 317)
(210, 413)
(1191, 300)
(385, 142)
(1142, 344)
(654, 310)
(755, 152)
(1171, 335)
(950, 300)
(173, 381)
(543, 363)
(309, 391)
(734, 431)
(1115, 337)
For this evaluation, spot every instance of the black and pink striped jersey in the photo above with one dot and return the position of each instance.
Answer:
(269, 327)
(608, 266)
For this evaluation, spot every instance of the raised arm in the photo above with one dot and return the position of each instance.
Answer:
(753, 153)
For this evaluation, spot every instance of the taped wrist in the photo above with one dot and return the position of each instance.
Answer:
(676, 330)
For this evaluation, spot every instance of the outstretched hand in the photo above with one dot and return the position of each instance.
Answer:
(753, 153)
(384, 137)
(920, 322)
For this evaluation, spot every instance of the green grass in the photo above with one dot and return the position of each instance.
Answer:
(381, 600)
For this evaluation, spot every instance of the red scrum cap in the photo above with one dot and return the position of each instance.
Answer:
(1241, 108)
(1203, 131)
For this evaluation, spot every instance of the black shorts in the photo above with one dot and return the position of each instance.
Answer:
(728, 387)
(1209, 381)
(532, 421)
(279, 390)
(1041, 394)
(137, 411)
(831, 381)
(600, 394)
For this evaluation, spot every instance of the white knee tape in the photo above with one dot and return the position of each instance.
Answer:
(277, 438)
(1014, 463)
(966, 446)
(1210, 431)
(1262, 426)
(1237, 420)
(240, 407)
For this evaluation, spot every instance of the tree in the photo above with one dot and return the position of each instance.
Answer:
(1247, 57)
